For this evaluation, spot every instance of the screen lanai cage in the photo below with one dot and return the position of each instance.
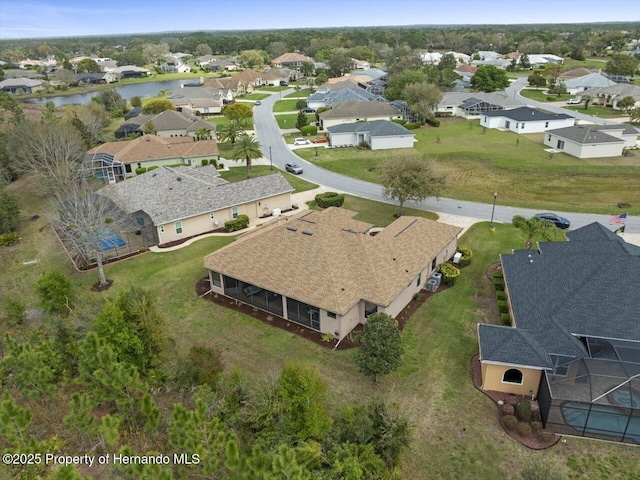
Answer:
(104, 167)
(597, 397)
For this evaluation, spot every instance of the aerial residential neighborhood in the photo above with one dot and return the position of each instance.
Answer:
(348, 243)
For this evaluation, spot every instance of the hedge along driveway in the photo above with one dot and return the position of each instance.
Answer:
(478, 162)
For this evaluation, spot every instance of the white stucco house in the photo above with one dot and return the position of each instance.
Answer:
(525, 120)
(378, 134)
(592, 141)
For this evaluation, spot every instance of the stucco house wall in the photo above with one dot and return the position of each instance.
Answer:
(493, 373)
(169, 161)
(395, 141)
(524, 127)
(601, 150)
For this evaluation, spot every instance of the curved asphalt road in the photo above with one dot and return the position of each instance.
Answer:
(270, 137)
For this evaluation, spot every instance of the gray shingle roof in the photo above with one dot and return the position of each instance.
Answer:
(170, 194)
(585, 134)
(342, 95)
(358, 109)
(376, 128)
(592, 80)
(497, 98)
(524, 114)
(511, 345)
(586, 287)
(618, 90)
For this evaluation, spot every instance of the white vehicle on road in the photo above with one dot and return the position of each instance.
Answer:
(574, 101)
(301, 141)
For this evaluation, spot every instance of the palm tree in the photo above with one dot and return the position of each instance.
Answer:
(246, 148)
(533, 226)
(231, 131)
(203, 133)
(586, 98)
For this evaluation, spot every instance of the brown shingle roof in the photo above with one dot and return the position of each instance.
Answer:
(334, 265)
(151, 147)
(291, 57)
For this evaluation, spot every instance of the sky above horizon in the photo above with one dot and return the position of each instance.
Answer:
(65, 18)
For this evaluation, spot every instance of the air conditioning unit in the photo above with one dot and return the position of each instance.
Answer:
(457, 257)
(437, 276)
(432, 285)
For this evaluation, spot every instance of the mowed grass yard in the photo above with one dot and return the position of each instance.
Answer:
(288, 120)
(285, 106)
(478, 163)
(455, 428)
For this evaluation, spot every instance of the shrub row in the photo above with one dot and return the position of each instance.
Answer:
(206, 162)
(449, 273)
(329, 199)
(9, 238)
(237, 223)
(415, 125)
(309, 130)
(434, 122)
(524, 411)
(503, 306)
(467, 254)
(506, 319)
(400, 121)
(501, 295)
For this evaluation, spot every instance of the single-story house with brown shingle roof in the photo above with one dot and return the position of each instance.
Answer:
(21, 85)
(169, 123)
(170, 204)
(291, 60)
(153, 151)
(324, 271)
(357, 110)
(592, 141)
(245, 82)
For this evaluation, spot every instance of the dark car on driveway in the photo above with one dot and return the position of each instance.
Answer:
(308, 110)
(293, 168)
(559, 221)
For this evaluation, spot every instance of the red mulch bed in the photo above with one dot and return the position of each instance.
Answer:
(202, 287)
(532, 441)
(98, 287)
(492, 268)
(182, 240)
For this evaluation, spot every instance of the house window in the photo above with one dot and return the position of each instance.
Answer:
(433, 264)
(178, 226)
(522, 126)
(419, 279)
(561, 365)
(215, 278)
(331, 315)
(127, 168)
(560, 144)
(512, 376)
(161, 228)
(546, 124)
(234, 212)
(507, 124)
(549, 138)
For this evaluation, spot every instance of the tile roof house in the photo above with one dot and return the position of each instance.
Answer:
(575, 339)
(356, 111)
(169, 123)
(471, 105)
(592, 141)
(153, 151)
(21, 85)
(182, 202)
(610, 96)
(525, 120)
(592, 80)
(292, 60)
(378, 134)
(324, 271)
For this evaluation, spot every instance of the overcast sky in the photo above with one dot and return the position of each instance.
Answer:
(54, 18)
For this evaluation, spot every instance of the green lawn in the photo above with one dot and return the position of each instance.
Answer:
(379, 214)
(285, 106)
(304, 93)
(254, 96)
(597, 111)
(541, 96)
(273, 89)
(455, 429)
(222, 120)
(235, 174)
(289, 120)
(477, 164)
(587, 63)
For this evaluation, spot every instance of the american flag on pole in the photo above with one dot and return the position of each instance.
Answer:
(620, 218)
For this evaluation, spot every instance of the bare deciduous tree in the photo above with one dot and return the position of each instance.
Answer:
(91, 220)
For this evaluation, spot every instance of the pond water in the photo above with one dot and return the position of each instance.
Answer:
(127, 92)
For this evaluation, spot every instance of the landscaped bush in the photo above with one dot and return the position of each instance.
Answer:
(308, 130)
(364, 146)
(55, 292)
(535, 416)
(510, 422)
(14, 309)
(466, 255)
(400, 121)
(205, 162)
(497, 274)
(536, 426)
(551, 99)
(237, 224)
(545, 435)
(329, 199)
(524, 429)
(498, 283)
(8, 239)
(506, 319)
(503, 306)
(416, 125)
(523, 410)
(141, 170)
(507, 409)
(501, 295)
(449, 273)
(152, 168)
(213, 162)
(434, 122)
(221, 166)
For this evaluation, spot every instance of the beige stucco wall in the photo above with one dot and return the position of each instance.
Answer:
(584, 151)
(395, 141)
(341, 325)
(196, 161)
(492, 379)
